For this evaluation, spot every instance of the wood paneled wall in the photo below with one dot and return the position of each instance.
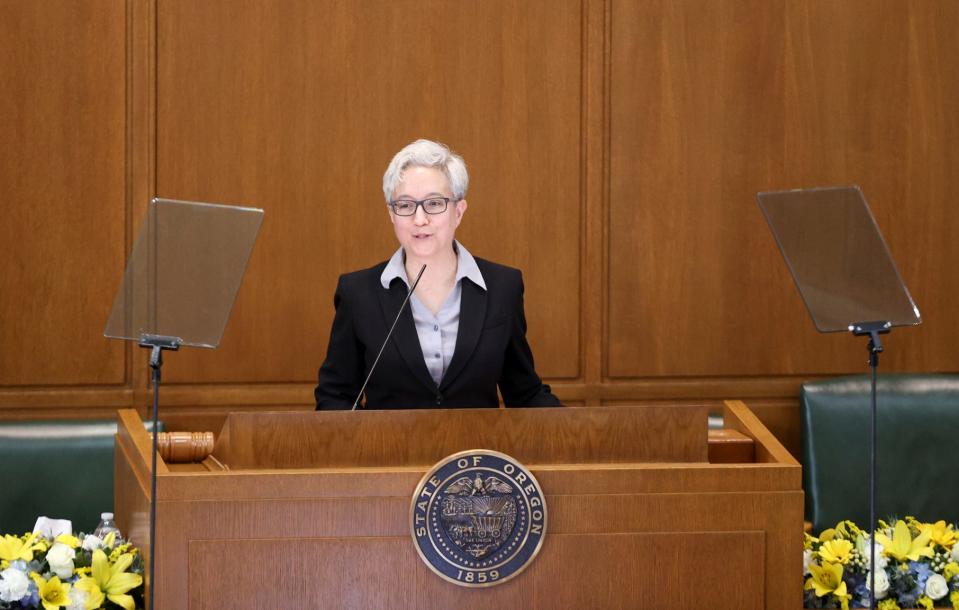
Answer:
(63, 189)
(615, 148)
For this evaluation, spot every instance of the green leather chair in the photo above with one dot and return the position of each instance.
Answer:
(917, 450)
(59, 469)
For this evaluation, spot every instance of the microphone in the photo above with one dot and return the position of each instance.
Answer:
(388, 335)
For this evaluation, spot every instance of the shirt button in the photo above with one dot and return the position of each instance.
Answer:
(436, 355)
(436, 327)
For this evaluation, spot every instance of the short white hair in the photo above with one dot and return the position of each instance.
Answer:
(427, 153)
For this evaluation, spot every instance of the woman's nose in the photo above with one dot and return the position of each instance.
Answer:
(420, 217)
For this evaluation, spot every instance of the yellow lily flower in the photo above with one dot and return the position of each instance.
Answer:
(940, 533)
(827, 534)
(15, 547)
(95, 596)
(836, 551)
(827, 579)
(113, 580)
(848, 530)
(53, 593)
(68, 539)
(903, 546)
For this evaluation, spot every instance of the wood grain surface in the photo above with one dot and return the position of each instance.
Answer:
(615, 149)
(713, 101)
(62, 168)
(630, 532)
(421, 437)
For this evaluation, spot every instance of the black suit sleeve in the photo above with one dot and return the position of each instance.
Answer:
(340, 376)
(519, 383)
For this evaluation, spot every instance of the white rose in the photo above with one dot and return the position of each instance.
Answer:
(882, 583)
(60, 559)
(806, 560)
(91, 543)
(14, 585)
(881, 560)
(936, 586)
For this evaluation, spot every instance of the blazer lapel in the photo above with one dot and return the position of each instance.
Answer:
(472, 315)
(404, 335)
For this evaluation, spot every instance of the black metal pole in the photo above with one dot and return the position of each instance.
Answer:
(874, 348)
(156, 344)
(156, 361)
(872, 330)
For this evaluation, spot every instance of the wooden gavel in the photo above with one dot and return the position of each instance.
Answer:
(184, 447)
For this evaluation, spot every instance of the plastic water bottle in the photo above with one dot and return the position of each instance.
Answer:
(107, 525)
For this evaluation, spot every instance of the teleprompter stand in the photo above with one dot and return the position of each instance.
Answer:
(178, 289)
(156, 344)
(872, 330)
(845, 274)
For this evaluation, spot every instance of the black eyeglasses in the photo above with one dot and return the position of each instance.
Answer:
(407, 207)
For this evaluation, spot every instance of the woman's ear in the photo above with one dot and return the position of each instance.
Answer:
(460, 209)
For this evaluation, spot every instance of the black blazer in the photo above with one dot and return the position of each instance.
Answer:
(491, 348)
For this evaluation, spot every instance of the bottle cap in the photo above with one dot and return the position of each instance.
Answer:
(106, 516)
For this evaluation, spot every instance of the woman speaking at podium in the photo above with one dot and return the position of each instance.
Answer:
(462, 332)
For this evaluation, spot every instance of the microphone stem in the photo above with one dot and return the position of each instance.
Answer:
(388, 335)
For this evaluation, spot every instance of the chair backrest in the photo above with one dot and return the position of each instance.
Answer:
(59, 469)
(917, 450)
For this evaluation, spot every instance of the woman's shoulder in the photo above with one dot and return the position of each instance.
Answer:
(362, 279)
(498, 274)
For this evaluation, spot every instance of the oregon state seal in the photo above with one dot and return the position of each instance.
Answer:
(478, 518)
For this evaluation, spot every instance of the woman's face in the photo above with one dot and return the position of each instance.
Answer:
(425, 235)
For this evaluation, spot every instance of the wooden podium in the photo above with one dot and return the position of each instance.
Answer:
(646, 509)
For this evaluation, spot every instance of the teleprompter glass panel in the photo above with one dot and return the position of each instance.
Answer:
(184, 272)
(838, 258)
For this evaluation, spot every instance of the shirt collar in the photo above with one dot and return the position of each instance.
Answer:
(466, 267)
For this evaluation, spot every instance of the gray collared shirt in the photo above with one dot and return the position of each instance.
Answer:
(437, 333)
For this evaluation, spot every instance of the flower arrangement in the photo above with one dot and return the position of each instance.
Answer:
(917, 566)
(84, 572)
